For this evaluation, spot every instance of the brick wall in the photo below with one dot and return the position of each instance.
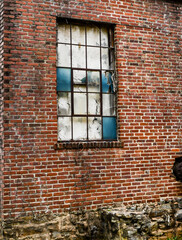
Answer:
(37, 177)
(1, 104)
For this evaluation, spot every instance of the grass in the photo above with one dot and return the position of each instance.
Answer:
(174, 238)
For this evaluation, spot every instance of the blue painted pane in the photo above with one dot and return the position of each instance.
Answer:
(63, 79)
(109, 128)
(107, 86)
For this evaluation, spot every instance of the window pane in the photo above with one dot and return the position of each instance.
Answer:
(111, 33)
(109, 128)
(93, 81)
(79, 81)
(108, 104)
(64, 103)
(80, 103)
(93, 58)
(112, 63)
(78, 57)
(63, 55)
(104, 37)
(63, 33)
(63, 79)
(93, 36)
(105, 58)
(79, 88)
(94, 128)
(107, 86)
(78, 35)
(79, 128)
(93, 103)
(64, 128)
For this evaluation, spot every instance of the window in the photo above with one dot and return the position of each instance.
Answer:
(86, 82)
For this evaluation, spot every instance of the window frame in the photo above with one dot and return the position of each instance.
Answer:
(110, 48)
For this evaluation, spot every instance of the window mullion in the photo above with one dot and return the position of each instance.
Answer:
(101, 83)
(86, 77)
(72, 99)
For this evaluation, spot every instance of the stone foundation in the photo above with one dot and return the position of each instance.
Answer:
(137, 222)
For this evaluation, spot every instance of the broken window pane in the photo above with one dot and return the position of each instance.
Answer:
(79, 81)
(79, 128)
(80, 103)
(107, 85)
(78, 35)
(104, 37)
(64, 128)
(63, 79)
(63, 33)
(93, 104)
(63, 55)
(78, 57)
(64, 103)
(93, 81)
(108, 104)
(93, 36)
(105, 58)
(109, 128)
(94, 128)
(93, 58)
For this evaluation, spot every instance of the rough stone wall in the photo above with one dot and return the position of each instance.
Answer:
(39, 178)
(137, 222)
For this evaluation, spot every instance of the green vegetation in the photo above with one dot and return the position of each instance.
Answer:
(174, 238)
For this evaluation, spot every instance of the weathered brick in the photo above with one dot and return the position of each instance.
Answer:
(42, 177)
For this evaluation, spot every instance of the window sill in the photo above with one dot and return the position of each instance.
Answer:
(86, 145)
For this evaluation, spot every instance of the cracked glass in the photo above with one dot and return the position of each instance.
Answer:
(64, 103)
(93, 81)
(64, 128)
(94, 128)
